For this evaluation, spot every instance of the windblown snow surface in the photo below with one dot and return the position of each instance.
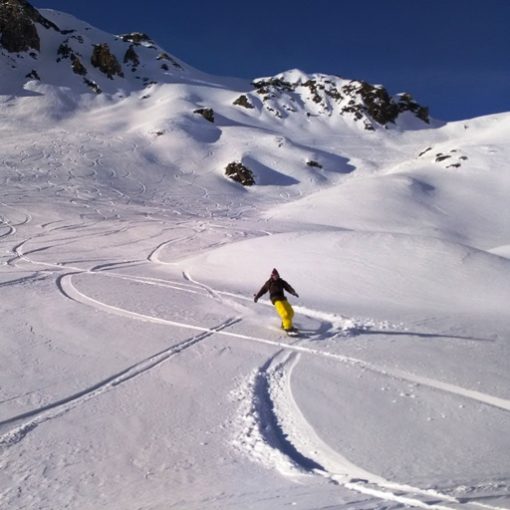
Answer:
(137, 373)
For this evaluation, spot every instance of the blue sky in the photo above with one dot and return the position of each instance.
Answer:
(451, 55)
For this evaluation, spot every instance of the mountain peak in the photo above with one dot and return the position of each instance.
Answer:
(54, 48)
(319, 95)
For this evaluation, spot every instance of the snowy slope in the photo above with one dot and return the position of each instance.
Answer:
(136, 371)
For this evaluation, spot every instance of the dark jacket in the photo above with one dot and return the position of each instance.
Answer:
(275, 289)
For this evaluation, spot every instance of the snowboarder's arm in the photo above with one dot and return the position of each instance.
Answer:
(261, 292)
(289, 289)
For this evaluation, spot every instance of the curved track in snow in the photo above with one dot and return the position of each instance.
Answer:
(285, 433)
(285, 427)
(274, 412)
(69, 290)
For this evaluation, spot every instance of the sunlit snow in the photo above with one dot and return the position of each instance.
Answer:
(136, 372)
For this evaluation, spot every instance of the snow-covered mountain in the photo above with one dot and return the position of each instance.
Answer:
(143, 202)
(54, 48)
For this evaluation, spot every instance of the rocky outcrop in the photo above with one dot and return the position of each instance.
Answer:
(131, 57)
(313, 164)
(137, 38)
(33, 75)
(267, 87)
(377, 103)
(319, 95)
(381, 107)
(207, 113)
(18, 32)
(105, 61)
(168, 58)
(92, 85)
(454, 158)
(78, 67)
(407, 103)
(243, 101)
(239, 173)
(66, 52)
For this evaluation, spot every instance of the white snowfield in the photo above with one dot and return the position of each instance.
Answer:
(137, 373)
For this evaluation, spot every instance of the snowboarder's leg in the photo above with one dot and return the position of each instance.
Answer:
(285, 312)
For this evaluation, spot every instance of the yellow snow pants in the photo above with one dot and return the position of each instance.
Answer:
(285, 312)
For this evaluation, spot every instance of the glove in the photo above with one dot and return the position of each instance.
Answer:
(296, 294)
(255, 298)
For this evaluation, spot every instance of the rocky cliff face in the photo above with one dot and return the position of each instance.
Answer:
(63, 51)
(18, 26)
(105, 61)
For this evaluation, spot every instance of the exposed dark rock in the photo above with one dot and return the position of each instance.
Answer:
(367, 103)
(333, 93)
(77, 66)
(147, 82)
(243, 101)
(136, 38)
(105, 61)
(264, 86)
(131, 56)
(239, 173)
(33, 75)
(453, 158)
(93, 86)
(276, 112)
(313, 163)
(64, 51)
(313, 86)
(18, 32)
(166, 56)
(378, 103)
(424, 151)
(78, 38)
(207, 113)
(407, 103)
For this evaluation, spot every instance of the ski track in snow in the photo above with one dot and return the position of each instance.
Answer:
(6, 230)
(70, 291)
(291, 445)
(24, 423)
(284, 432)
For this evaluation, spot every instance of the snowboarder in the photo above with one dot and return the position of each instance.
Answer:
(276, 286)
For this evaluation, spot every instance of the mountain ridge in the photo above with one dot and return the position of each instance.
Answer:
(312, 139)
(57, 49)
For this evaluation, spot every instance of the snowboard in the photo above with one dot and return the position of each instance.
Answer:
(295, 333)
